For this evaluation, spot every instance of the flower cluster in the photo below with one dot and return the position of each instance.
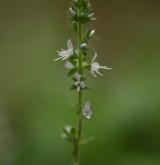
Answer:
(71, 60)
(80, 13)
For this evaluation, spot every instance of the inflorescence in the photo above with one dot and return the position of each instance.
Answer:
(79, 59)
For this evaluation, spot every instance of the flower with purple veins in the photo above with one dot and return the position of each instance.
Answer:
(87, 111)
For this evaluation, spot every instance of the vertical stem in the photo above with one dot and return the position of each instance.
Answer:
(80, 92)
(79, 115)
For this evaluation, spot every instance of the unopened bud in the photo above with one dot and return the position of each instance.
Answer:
(91, 15)
(84, 46)
(72, 11)
(92, 33)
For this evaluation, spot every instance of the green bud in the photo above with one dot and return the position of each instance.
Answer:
(69, 133)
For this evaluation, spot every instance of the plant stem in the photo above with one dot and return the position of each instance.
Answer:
(79, 115)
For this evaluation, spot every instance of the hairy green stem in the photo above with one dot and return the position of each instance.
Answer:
(76, 153)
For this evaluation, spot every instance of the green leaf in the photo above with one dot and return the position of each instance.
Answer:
(73, 131)
(66, 133)
(85, 65)
(69, 133)
(73, 87)
(73, 61)
(83, 78)
(65, 137)
(72, 71)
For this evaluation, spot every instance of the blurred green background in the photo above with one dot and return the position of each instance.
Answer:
(35, 101)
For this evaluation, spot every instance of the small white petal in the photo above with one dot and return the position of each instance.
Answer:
(58, 58)
(77, 76)
(69, 44)
(72, 11)
(76, 83)
(78, 88)
(82, 84)
(92, 33)
(84, 45)
(69, 65)
(93, 73)
(94, 57)
(105, 67)
(95, 66)
(91, 15)
(65, 54)
(68, 128)
(99, 73)
(79, 84)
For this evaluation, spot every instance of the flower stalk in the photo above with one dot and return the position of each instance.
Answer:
(77, 61)
(76, 153)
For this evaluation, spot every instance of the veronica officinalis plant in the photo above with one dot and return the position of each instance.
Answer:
(78, 60)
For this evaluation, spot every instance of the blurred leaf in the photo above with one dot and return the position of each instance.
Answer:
(69, 133)
(73, 131)
(87, 140)
(73, 87)
(87, 88)
(72, 71)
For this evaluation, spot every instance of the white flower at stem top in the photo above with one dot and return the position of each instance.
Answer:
(65, 54)
(87, 111)
(79, 84)
(95, 67)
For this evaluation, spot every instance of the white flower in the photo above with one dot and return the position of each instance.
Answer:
(87, 110)
(79, 84)
(65, 54)
(95, 67)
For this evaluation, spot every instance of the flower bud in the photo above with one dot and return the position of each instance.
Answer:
(91, 15)
(83, 46)
(72, 11)
(87, 111)
(92, 33)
